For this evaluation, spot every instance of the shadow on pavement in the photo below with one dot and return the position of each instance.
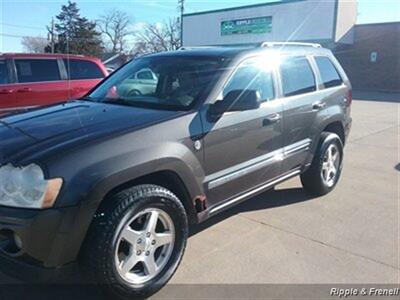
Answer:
(51, 292)
(266, 200)
(376, 96)
(78, 287)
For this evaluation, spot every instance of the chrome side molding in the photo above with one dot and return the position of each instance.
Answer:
(254, 191)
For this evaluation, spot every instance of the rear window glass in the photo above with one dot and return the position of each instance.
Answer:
(297, 76)
(35, 70)
(145, 75)
(3, 72)
(82, 69)
(329, 75)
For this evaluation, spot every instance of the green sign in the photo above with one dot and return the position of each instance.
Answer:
(247, 26)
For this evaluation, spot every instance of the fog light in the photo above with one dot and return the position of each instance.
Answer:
(10, 242)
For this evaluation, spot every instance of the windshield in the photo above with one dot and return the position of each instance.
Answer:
(160, 82)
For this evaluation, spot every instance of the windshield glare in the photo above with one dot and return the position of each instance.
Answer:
(161, 82)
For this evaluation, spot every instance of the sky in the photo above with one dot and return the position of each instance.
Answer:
(29, 18)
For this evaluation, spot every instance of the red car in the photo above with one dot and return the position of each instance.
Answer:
(29, 80)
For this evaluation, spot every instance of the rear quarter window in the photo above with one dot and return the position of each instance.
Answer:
(37, 70)
(329, 75)
(297, 76)
(82, 69)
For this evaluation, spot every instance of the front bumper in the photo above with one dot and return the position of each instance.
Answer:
(34, 273)
(33, 243)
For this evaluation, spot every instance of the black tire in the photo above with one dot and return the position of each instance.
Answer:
(312, 179)
(100, 245)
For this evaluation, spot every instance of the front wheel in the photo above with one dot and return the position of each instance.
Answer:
(325, 170)
(137, 241)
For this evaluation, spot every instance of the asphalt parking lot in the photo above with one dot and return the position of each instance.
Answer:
(350, 236)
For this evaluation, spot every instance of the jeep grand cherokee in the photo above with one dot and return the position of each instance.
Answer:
(113, 180)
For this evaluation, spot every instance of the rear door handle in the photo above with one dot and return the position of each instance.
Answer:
(271, 119)
(24, 90)
(6, 91)
(318, 105)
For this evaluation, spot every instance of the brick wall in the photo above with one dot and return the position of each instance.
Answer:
(384, 73)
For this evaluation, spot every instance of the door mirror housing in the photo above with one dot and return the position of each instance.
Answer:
(237, 100)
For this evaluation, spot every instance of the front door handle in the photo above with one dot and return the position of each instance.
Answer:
(24, 90)
(271, 119)
(318, 105)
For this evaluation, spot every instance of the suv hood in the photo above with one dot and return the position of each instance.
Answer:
(72, 121)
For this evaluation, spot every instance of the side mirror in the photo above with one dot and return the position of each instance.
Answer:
(237, 100)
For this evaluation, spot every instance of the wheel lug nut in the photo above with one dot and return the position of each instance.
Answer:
(139, 241)
(153, 242)
(147, 253)
(138, 252)
(148, 234)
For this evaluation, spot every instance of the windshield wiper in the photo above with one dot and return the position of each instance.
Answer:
(119, 101)
(87, 98)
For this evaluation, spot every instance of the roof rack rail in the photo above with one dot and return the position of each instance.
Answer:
(284, 44)
(195, 47)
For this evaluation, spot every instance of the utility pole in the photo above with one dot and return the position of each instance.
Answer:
(52, 35)
(182, 10)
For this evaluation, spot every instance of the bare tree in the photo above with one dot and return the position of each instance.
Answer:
(158, 37)
(115, 26)
(34, 44)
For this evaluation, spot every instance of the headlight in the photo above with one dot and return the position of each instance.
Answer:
(26, 187)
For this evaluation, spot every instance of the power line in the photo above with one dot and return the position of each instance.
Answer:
(21, 36)
(21, 26)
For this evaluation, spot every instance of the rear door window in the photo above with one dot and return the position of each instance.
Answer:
(329, 75)
(3, 72)
(297, 76)
(37, 70)
(82, 69)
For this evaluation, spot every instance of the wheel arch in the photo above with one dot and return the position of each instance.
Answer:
(337, 128)
(168, 179)
(332, 125)
(168, 172)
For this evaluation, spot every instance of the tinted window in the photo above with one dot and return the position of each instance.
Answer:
(329, 75)
(82, 69)
(252, 75)
(3, 72)
(35, 70)
(297, 76)
(177, 82)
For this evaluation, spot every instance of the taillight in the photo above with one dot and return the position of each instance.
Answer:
(349, 97)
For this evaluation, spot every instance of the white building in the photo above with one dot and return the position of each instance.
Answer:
(325, 21)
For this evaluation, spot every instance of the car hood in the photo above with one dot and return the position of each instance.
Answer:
(74, 121)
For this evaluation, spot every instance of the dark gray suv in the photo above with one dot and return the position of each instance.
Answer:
(113, 180)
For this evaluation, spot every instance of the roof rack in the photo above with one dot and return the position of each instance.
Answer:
(196, 47)
(284, 44)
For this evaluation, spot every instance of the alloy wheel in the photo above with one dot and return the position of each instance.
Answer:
(144, 246)
(330, 165)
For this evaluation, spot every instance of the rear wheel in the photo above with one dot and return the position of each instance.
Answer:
(137, 243)
(325, 170)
